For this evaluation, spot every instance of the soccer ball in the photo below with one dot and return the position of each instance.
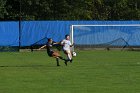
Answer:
(74, 54)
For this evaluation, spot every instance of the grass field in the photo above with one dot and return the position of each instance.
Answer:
(91, 72)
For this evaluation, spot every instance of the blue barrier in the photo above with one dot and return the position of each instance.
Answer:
(33, 31)
(9, 33)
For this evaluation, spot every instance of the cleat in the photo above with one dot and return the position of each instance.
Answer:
(71, 60)
(66, 62)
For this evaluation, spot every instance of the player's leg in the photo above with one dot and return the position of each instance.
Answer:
(57, 61)
(69, 55)
(52, 54)
(57, 55)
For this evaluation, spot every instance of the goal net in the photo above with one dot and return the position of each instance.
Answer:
(105, 36)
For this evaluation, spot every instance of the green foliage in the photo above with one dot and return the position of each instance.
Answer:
(70, 9)
(2, 9)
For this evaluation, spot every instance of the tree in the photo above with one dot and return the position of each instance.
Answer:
(2, 9)
(70, 9)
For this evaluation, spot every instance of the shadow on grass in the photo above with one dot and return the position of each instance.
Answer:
(24, 66)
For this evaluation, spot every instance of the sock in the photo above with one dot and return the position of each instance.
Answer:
(61, 58)
(57, 60)
(69, 57)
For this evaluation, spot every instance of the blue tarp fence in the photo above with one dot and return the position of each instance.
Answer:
(9, 33)
(33, 31)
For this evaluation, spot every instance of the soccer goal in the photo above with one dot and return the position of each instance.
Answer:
(105, 36)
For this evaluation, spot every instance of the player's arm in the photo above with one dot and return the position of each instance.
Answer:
(62, 43)
(71, 44)
(55, 43)
(42, 47)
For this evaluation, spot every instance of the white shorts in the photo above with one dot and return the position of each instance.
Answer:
(67, 50)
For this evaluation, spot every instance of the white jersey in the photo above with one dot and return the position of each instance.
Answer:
(66, 44)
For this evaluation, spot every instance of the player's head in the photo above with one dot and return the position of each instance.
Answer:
(50, 40)
(67, 37)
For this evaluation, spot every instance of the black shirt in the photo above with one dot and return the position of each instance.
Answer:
(49, 48)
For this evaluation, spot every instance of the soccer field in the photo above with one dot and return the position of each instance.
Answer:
(90, 72)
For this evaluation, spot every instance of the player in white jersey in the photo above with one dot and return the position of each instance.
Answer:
(67, 47)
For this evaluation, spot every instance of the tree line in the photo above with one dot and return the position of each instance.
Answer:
(69, 9)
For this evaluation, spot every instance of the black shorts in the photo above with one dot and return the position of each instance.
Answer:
(50, 53)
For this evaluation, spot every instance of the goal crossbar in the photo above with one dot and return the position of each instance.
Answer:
(109, 25)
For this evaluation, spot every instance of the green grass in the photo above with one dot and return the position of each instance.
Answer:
(91, 72)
